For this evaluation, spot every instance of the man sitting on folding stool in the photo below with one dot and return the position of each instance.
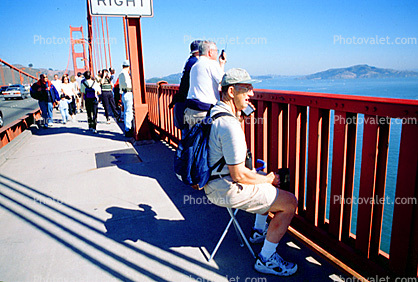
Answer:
(236, 186)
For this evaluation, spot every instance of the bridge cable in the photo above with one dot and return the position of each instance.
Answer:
(108, 44)
(99, 45)
(104, 42)
(68, 62)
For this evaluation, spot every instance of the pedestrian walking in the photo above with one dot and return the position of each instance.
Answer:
(90, 91)
(67, 89)
(79, 101)
(107, 96)
(46, 94)
(63, 107)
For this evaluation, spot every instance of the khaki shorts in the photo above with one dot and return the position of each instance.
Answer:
(256, 198)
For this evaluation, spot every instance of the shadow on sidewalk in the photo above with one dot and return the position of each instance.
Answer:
(62, 129)
(33, 213)
(202, 226)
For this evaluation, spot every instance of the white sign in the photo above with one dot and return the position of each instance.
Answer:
(131, 8)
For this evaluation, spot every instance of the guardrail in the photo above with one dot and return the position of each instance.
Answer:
(11, 131)
(295, 133)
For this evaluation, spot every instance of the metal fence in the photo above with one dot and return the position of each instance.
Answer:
(301, 131)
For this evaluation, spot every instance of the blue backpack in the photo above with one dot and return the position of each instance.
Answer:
(191, 163)
(89, 91)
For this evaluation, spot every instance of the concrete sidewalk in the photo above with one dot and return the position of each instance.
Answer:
(78, 206)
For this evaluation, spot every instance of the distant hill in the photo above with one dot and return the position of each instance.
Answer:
(360, 71)
(171, 79)
(175, 78)
(8, 77)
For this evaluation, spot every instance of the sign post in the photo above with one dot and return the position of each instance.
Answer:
(133, 10)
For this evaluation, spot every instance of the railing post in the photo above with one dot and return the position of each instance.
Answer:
(262, 131)
(314, 152)
(404, 241)
(367, 185)
(323, 171)
(338, 176)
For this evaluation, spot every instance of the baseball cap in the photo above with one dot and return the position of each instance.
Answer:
(125, 63)
(194, 46)
(237, 75)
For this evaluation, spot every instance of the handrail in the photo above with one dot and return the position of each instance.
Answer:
(292, 129)
(2, 77)
(16, 69)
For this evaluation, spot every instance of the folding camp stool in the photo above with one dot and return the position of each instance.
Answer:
(238, 229)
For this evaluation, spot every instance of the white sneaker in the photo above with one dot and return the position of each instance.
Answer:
(275, 265)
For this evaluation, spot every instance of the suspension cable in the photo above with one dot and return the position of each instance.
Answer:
(99, 45)
(108, 44)
(69, 57)
(104, 41)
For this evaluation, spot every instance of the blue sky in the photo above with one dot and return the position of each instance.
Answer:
(291, 37)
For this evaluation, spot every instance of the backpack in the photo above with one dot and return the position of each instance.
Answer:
(90, 92)
(191, 163)
(34, 93)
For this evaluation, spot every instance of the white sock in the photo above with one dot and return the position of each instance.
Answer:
(260, 222)
(268, 249)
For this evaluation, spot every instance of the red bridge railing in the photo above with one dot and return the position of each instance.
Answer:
(11, 131)
(292, 129)
(22, 74)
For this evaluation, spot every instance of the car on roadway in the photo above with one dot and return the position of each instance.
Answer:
(3, 88)
(1, 119)
(16, 91)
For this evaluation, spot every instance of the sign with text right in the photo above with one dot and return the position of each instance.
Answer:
(130, 8)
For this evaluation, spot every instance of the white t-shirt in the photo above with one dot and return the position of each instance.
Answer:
(78, 80)
(67, 89)
(226, 139)
(205, 76)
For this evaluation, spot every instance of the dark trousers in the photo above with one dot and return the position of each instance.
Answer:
(72, 107)
(91, 108)
(109, 102)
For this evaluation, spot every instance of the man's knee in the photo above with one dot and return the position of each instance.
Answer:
(286, 202)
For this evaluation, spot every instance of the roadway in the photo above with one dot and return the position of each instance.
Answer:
(15, 109)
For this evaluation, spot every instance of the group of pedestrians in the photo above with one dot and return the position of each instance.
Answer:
(72, 95)
(210, 90)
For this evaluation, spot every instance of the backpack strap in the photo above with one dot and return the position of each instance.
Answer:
(221, 163)
(218, 115)
(86, 85)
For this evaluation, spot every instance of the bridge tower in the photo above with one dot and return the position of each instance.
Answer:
(80, 65)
